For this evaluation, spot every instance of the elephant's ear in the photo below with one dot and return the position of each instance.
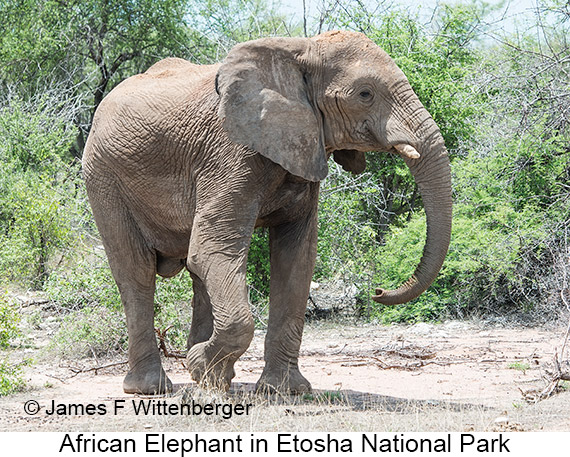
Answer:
(353, 161)
(265, 105)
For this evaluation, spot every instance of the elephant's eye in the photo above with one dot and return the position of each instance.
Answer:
(365, 95)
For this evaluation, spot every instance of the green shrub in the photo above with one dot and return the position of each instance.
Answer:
(40, 194)
(501, 248)
(9, 319)
(11, 375)
(39, 228)
(35, 138)
(11, 378)
(90, 332)
(258, 266)
(87, 283)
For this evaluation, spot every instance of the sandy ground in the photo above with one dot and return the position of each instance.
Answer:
(454, 376)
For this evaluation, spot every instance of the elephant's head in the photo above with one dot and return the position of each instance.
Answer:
(297, 101)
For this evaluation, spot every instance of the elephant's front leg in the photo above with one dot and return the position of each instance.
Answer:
(218, 256)
(293, 253)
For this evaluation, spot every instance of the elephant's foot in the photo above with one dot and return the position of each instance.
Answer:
(210, 369)
(147, 380)
(284, 380)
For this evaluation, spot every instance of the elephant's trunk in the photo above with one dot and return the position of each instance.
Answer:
(433, 177)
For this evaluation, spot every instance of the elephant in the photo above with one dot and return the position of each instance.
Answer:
(184, 161)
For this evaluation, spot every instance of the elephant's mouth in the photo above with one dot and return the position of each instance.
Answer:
(403, 149)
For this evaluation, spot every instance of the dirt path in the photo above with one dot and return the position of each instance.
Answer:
(449, 377)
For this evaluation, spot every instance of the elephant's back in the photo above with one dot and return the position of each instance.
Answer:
(146, 112)
(169, 84)
(170, 66)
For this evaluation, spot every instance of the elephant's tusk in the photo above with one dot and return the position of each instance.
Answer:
(407, 151)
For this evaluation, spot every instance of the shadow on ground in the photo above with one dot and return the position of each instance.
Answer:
(339, 400)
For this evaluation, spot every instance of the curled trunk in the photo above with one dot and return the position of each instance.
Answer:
(433, 176)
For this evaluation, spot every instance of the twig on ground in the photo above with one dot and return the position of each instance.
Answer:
(340, 350)
(62, 380)
(76, 371)
(98, 367)
(410, 354)
(560, 371)
(372, 360)
(162, 344)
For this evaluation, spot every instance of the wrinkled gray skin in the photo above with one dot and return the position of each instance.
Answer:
(184, 161)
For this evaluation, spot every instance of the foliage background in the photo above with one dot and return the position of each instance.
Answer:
(502, 101)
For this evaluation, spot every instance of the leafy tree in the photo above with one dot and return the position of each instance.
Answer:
(228, 22)
(39, 190)
(85, 47)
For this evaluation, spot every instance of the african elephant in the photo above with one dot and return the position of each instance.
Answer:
(184, 161)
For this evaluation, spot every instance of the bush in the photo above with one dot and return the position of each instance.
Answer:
(9, 319)
(41, 195)
(91, 332)
(11, 378)
(86, 283)
(501, 249)
(173, 308)
(11, 375)
(258, 267)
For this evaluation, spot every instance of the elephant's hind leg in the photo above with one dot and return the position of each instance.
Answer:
(134, 266)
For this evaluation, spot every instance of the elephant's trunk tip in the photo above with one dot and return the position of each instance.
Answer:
(380, 293)
(406, 292)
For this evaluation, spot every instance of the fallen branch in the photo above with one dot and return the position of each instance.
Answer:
(560, 371)
(76, 371)
(410, 354)
(162, 344)
(377, 361)
(552, 386)
(97, 368)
